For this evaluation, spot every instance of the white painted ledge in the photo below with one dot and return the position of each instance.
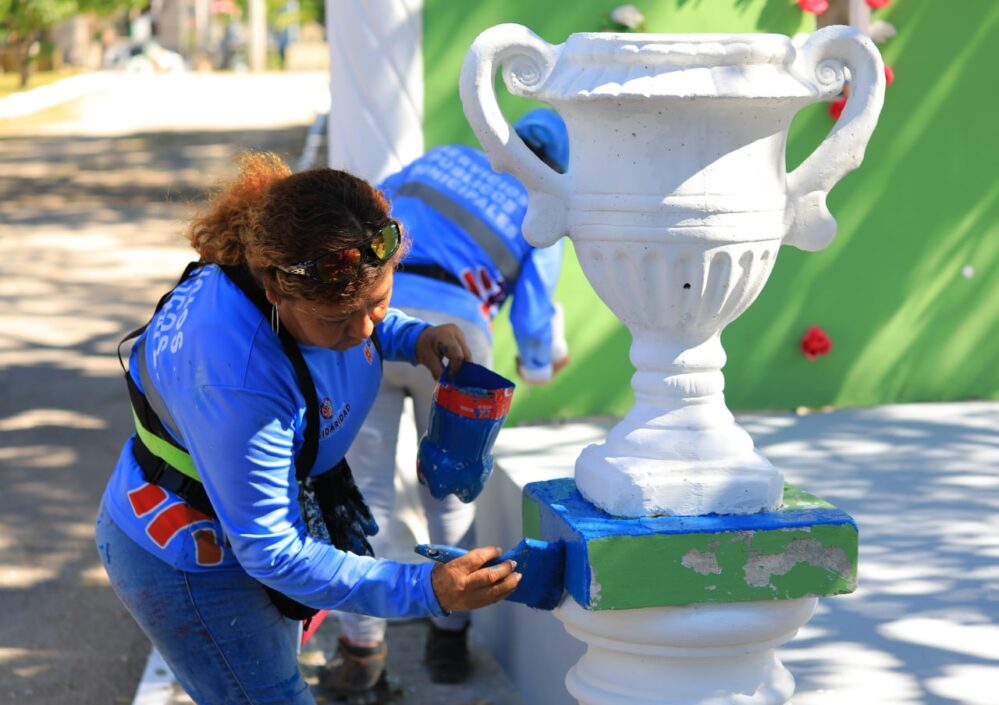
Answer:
(34, 99)
(531, 645)
(158, 686)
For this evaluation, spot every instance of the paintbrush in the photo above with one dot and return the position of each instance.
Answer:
(540, 562)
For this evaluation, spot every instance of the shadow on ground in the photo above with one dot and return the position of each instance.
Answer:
(921, 482)
(90, 237)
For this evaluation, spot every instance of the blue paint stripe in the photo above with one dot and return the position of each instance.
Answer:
(576, 577)
(565, 506)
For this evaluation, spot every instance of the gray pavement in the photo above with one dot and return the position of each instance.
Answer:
(409, 681)
(922, 481)
(89, 238)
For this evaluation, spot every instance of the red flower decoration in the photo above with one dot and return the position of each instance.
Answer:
(877, 4)
(815, 7)
(836, 108)
(889, 75)
(815, 342)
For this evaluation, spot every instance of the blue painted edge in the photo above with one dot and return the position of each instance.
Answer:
(562, 497)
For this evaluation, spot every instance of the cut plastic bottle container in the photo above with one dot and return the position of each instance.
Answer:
(455, 455)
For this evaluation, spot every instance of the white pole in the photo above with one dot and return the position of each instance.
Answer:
(376, 85)
(202, 27)
(860, 15)
(258, 35)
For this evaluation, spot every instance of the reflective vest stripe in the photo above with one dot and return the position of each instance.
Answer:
(152, 394)
(170, 454)
(479, 231)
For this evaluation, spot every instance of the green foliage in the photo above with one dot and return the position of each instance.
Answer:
(24, 20)
(279, 14)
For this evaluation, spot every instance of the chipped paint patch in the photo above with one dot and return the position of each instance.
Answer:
(594, 587)
(703, 562)
(760, 567)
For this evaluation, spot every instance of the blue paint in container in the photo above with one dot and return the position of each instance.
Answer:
(469, 409)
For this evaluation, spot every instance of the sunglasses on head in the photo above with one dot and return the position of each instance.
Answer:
(345, 264)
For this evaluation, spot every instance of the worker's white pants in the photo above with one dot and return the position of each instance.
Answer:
(372, 459)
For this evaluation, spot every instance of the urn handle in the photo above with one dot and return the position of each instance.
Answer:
(823, 59)
(527, 61)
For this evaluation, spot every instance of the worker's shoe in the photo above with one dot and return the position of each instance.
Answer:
(447, 655)
(356, 673)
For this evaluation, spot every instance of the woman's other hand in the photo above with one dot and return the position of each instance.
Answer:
(463, 584)
(438, 342)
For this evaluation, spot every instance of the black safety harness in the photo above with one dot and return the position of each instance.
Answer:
(166, 463)
(431, 271)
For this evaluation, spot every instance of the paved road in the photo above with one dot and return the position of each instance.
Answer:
(90, 236)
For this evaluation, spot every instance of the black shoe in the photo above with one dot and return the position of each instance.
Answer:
(356, 673)
(447, 655)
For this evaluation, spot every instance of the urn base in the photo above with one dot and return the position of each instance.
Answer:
(697, 655)
(635, 487)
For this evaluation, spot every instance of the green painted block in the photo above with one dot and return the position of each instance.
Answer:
(531, 511)
(806, 548)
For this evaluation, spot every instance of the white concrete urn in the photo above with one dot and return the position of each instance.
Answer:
(677, 199)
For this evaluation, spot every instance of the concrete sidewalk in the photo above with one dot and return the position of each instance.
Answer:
(116, 103)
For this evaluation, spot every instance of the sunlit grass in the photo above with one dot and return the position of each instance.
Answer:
(11, 82)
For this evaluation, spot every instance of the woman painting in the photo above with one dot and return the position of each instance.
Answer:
(231, 512)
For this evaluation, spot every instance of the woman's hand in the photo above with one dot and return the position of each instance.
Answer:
(463, 584)
(439, 342)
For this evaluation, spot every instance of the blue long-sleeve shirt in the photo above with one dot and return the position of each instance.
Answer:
(465, 218)
(235, 405)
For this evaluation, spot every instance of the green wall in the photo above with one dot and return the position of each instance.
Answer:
(905, 322)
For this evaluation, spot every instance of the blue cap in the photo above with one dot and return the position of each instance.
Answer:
(544, 132)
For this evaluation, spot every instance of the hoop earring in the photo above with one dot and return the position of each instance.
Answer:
(275, 319)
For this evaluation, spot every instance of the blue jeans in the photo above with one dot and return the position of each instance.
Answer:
(218, 630)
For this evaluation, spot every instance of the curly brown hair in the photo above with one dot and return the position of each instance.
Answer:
(268, 216)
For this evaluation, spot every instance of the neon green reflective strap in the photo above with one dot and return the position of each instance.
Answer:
(171, 455)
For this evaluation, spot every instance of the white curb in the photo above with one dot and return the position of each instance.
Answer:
(157, 684)
(35, 99)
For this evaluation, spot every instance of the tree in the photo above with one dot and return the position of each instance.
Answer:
(279, 12)
(24, 22)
